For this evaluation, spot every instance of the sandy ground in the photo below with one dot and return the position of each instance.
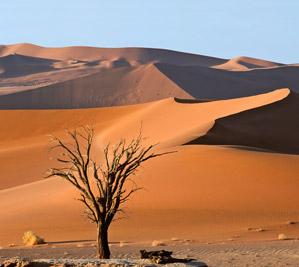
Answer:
(202, 192)
(226, 254)
(231, 185)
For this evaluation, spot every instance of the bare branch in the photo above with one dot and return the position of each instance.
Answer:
(103, 186)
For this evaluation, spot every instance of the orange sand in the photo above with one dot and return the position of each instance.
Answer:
(236, 163)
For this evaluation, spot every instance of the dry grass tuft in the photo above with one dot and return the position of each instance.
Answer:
(31, 239)
(157, 243)
(282, 237)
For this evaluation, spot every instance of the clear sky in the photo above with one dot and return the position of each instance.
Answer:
(266, 29)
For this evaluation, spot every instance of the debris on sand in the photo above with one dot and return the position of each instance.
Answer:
(18, 262)
(282, 237)
(162, 257)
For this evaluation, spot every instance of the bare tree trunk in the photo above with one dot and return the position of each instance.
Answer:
(103, 200)
(103, 251)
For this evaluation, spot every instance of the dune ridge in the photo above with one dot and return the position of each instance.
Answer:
(134, 54)
(238, 170)
(275, 121)
(83, 77)
(30, 202)
(245, 63)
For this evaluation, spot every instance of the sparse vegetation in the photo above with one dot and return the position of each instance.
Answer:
(103, 185)
(282, 237)
(31, 239)
(158, 243)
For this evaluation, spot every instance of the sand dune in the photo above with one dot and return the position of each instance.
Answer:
(192, 191)
(17, 65)
(119, 86)
(138, 55)
(246, 63)
(208, 83)
(81, 77)
(28, 130)
(211, 194)
(277, 122)
(238, 171)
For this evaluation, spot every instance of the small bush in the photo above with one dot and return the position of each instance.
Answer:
(157, 243)
(31, 239)
(282, 237)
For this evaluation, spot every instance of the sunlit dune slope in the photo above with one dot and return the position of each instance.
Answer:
(200, 192)
(167, 122)
(246, 63)
(204, 193)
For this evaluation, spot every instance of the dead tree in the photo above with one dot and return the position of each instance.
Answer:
(103, 185)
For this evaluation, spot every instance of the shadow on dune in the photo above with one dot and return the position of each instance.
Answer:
(208, 83)
(18, 65)
(272, 127)
(190, 101)
(254, 149)
(82, 240)
(159, 74)
(70, 241)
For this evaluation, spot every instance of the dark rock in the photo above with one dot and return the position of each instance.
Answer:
(157, 253)
(162, 257)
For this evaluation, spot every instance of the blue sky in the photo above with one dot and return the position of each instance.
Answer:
(259, 28)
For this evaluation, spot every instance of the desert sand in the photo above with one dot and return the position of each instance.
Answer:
(276, 254)
(232, 125)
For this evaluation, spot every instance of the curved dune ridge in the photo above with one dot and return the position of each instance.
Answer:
(35, 77)
(119, 86)
(190, 191)
(277, 122)
(246, 63)
(238, 170)
(142, 55)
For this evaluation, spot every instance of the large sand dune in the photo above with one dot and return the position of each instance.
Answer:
(34, 77)
(200, 192)
(238, 171)
(138, 55)
(245, 63)
(277, 122)
(211, 83)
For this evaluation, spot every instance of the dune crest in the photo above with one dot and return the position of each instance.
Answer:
(277, 122)
(222, 180)
(84, 77)
(142, 55)
(246, 63)
(178, 123)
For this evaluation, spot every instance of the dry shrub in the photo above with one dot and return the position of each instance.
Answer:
(282, 237)
(31, 239)
(157, 243)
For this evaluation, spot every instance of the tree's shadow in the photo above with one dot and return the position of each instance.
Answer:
(71, 241)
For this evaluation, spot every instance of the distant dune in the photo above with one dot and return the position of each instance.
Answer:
(246, 63)
(82, 77)
(139, 55)
(232, 124)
